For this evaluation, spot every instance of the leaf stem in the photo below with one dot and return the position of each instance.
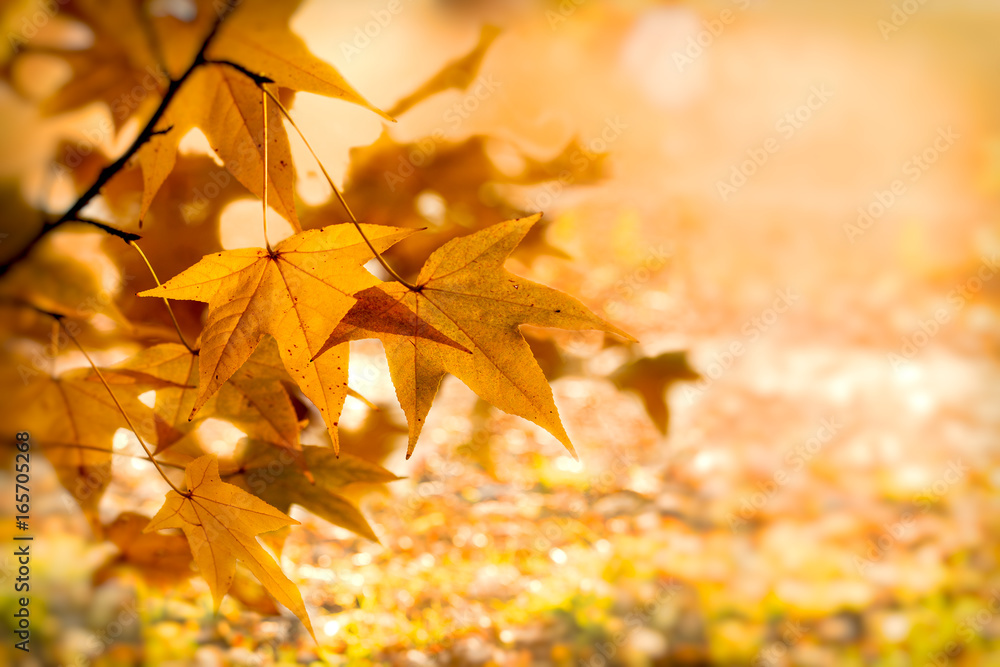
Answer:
(263, 200)
(54, 341)
(91, 448)
(127, 237)
(166, 301)
(340, 196)
(114, 398)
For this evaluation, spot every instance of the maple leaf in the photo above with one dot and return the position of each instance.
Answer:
(222, 100)
(465, 293)
(221, 522)
(158, 558)
(298, 293)
(650, 377)
(253, 399)
(228, 106)
(118, 61)
(74, 418)
(164, 560)
(257, 36)
(391, 190)
(458, 73)
(267, 473)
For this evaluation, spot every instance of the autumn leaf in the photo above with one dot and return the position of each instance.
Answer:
(229, 108)
(160, 559)
(458, 73)
(164, 560)
(124, 68)
(180, 227)
(74, 418)
(456, 189)
(298, 294)
(650, 377)
(257, 36)
(466, 294)
(267, 473)
(118, 61)
(378, 312)
(221, 522)
(222, 100)
(253, 399)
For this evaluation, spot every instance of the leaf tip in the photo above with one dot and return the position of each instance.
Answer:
(570, 448)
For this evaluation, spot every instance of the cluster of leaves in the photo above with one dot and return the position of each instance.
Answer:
(251, 336)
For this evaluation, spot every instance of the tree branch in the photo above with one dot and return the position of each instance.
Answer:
(128, 237)
(145, 135)
(259, 79)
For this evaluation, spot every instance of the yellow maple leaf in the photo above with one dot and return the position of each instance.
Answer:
(221, 522)
(158, 558)
(458, 73)
(385, 188)
(465, 293)
(118, 61)
(253, 399)
(298, 293)
(257, 36)
(228, 106)
(266, 472)
(74, 418)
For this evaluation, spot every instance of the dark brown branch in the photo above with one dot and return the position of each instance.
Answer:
(145, 135)
(259, 79)
(123, 235)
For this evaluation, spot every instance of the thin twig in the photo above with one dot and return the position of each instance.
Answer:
(119, 406)
(109, 450)
(166, 301)
(259, 79)
(128, 237)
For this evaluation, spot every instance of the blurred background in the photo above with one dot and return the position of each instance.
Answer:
(793, 206)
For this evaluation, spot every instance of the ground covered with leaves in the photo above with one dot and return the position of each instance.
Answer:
(785, 415)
